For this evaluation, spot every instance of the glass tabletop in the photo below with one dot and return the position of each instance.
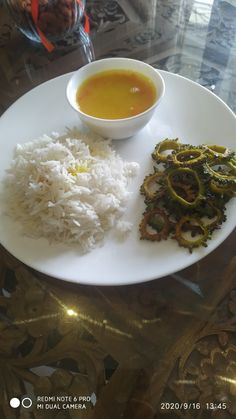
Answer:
(164, 348)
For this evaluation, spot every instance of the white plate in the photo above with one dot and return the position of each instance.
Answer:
(187, 111)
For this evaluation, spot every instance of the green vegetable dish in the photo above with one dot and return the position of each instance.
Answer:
(187, 191)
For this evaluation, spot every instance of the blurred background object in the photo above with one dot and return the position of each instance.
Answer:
(50, 19)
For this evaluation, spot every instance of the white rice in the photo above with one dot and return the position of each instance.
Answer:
(70, 188)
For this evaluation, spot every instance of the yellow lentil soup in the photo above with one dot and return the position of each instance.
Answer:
(116, 94)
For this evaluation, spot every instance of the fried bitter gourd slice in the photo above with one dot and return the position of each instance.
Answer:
(218, 152)
(189, 156)
(197, 185)
(188, 222)
(211, 215)
(151, 187)
(222, 189)
(219, 174)
(159, 225)
(232, 163)
(167, 144)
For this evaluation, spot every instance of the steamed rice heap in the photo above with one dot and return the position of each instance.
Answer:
(70, 188)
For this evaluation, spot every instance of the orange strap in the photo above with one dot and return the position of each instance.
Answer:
(35, 14)
(86, 23)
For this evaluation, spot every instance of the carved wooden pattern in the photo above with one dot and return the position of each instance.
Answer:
(119, 345)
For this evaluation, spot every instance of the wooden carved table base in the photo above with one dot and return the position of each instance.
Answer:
(145, 351)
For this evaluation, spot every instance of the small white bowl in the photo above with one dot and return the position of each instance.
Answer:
(115, 128)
